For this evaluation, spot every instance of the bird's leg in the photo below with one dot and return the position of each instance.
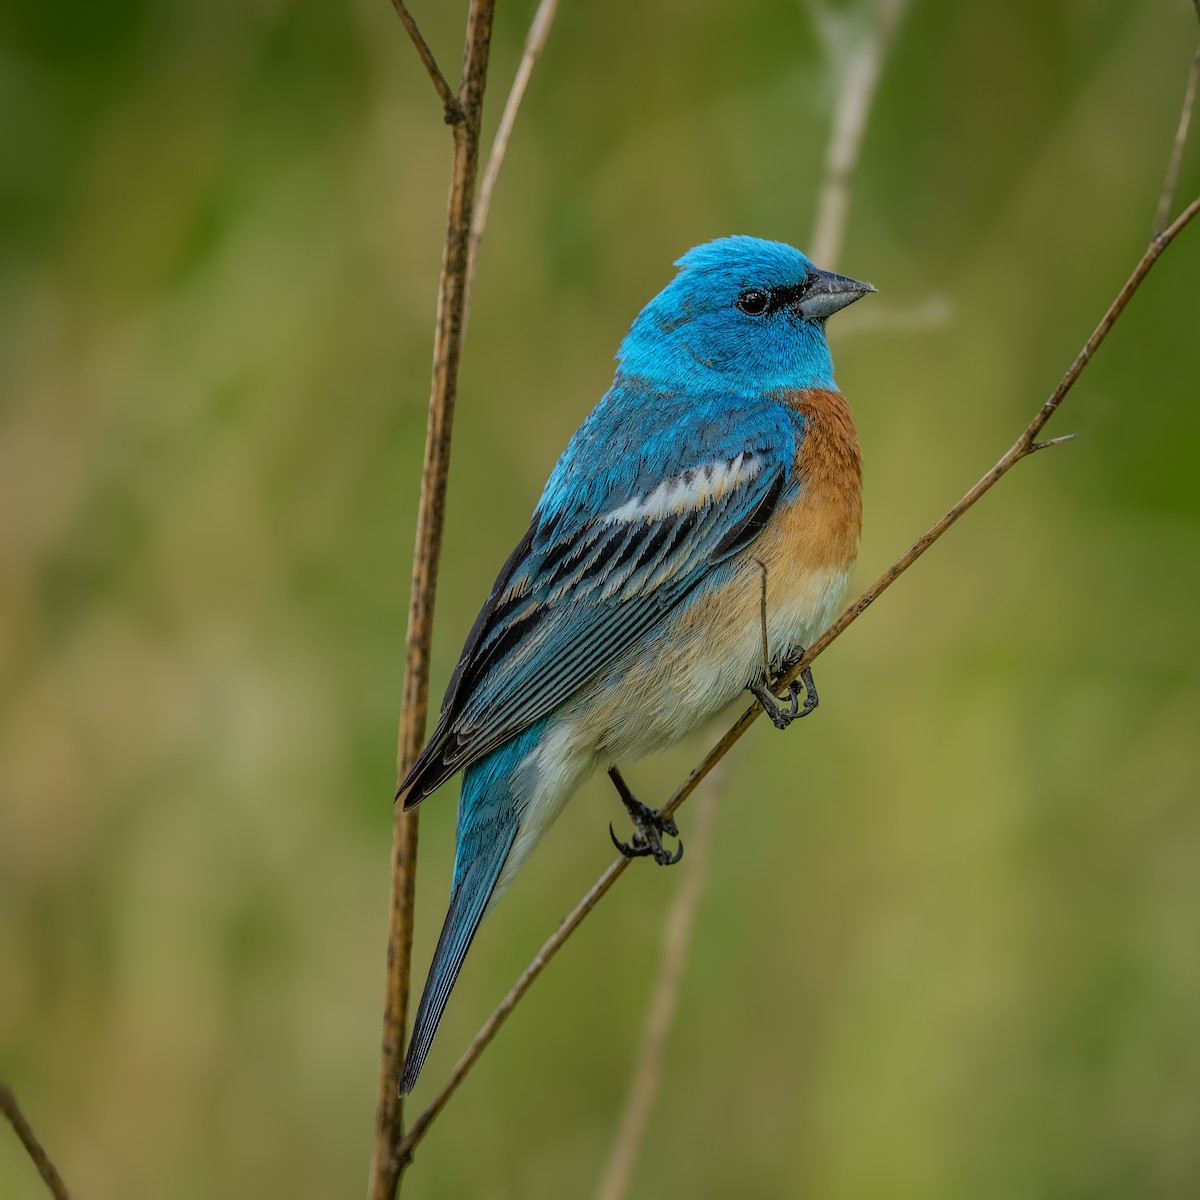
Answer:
(782, 710)
(649, 825)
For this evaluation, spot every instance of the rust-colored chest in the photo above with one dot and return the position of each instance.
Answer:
(826, 518)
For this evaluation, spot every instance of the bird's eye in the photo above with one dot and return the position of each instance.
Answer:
(754, 302)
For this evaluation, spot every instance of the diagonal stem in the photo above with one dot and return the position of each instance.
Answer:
(450, 105)
(1025, 445)
(1021, 448)
(36, 1151)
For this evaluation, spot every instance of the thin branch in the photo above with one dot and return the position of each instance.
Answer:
(387, 1164)
(1022, 448)
(677, 935)
(45, 1168)
(858, 79)
(1025, 445)
(1167, 198)
(450, 106)
(535, 42)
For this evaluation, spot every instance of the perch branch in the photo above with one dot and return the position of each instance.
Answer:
(1024, 446)
(21, 1127)
(450, 106)
(386, 1162)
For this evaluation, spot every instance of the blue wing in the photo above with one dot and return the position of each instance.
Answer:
(652, 494)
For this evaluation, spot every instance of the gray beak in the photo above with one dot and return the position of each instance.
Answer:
(826, 292)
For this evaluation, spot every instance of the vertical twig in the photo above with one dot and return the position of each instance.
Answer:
(858, 69)
(1167, 197)
(535, 42)
(677, 935)
(21, 1127)
(386, 1163)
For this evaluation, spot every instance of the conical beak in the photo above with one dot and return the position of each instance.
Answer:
(826, 292)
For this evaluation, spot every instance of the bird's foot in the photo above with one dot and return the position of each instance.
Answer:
(783, 710)
(649, 825)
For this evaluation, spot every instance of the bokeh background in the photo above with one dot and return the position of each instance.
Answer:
(950, 940)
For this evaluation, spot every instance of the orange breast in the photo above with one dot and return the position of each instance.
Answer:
(826, 519)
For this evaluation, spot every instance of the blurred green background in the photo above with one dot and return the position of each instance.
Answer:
(950, 941)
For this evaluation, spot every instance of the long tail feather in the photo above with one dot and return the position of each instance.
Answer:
(467, 906)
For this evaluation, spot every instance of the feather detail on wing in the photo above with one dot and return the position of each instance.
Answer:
(580, 589)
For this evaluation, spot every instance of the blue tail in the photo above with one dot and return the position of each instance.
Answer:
(467, 905)
(488, 822)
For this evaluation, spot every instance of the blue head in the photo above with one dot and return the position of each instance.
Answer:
(742, 315)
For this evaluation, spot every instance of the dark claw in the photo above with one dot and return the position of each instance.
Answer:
(649, 828)
(642, 846)
(665, 859)
(784, 710)
(630, 850)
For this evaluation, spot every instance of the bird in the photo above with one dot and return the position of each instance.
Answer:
(696, 533)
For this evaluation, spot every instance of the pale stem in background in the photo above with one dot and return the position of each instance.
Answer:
(857, 67)
(535, 43)
(21, 1127)
(464, 114)
(1024, 446)
(676, 938)
(1167, 199)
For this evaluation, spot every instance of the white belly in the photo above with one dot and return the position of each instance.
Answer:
(702, 659)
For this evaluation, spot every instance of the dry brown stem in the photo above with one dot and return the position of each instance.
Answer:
(450, 106)
(45, 1168)
(1025, 445)
(387, 1164)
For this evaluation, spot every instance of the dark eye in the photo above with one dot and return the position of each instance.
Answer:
(754, 302)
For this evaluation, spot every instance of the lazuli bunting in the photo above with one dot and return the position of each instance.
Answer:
(698, 530)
